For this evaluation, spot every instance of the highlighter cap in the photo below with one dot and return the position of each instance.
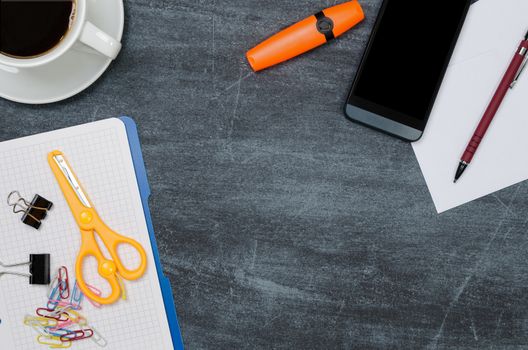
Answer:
(305, 35)
(345, 16)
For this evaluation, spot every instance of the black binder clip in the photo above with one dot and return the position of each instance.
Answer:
(39, 269)
(34, 212)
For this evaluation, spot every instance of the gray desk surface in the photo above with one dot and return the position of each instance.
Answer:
(280, 224)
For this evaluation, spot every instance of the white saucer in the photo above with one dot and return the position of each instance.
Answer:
(74, 71)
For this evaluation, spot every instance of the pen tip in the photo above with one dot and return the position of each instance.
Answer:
(526, 36)
(460, 170)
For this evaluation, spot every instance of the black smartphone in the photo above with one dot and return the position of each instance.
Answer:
(404, 64)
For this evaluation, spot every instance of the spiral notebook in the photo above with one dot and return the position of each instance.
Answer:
(107, 159)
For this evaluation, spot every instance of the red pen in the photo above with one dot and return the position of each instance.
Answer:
(509, 80)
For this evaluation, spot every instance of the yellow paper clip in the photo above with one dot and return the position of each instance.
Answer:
(41, 321)
(40, 324)
(53, 342)
(39, 329)
(122, 285)
(76, 317)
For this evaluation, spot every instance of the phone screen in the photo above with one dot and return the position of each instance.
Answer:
(407, 57)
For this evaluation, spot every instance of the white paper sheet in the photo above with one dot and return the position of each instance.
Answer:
(487, 43)
(100, 156)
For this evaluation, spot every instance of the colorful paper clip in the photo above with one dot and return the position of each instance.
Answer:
(39, 324)
(76, 296)
(60, 291)
(97, 338)
(39, 320)
(122, 285)
(64, 283)
(60, 323)
(52, 313)
(53, 342)
(77, 318)
(39, 329)
(56, 332)
(67, 304)
(62, 310)
(96, 292)
(79, 334)
(53, 295)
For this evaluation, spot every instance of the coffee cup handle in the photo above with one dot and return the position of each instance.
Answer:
(100, 41)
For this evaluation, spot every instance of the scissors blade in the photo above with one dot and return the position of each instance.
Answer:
(72, 179)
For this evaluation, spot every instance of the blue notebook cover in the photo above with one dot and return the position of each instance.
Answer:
(144, 189)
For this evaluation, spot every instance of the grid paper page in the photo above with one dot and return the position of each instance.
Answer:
(100, 156)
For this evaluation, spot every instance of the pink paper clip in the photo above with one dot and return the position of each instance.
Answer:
(61, 325)
(96, 292)
(66, 304)
(64, 283)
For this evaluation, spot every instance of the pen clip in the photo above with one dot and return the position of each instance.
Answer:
(523, 66)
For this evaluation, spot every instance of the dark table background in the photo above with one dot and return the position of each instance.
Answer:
(281, 224)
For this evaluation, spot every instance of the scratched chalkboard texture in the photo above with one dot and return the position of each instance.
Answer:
(280, 224)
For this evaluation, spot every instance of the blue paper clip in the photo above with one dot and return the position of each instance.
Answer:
(76, 297)
(56, 333)
(54, 297)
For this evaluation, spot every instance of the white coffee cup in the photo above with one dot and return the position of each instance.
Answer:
(81, 30)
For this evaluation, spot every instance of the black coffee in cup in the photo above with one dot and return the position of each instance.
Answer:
(31, 28)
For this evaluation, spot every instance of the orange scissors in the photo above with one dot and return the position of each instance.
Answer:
(90, 223)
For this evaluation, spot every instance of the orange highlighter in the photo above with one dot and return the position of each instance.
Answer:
(306, 35)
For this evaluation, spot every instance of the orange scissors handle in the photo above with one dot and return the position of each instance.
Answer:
(90, 223)
(112, 240)
(106, 268)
